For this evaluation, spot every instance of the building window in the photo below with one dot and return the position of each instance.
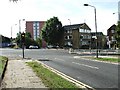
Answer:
(34, 27)
(65, 31)
(70, 37)
(81, 30)
(84, 43)
(38, 31)
(38, 27)
(112, 31)
(88, 31)
(34, 24)
(70, 31)
(37, 23)
(66, 37)
(34, 32)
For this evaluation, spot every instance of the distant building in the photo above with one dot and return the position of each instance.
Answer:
(34, 28)
(77, 36)
(101, 40)
(111, 41)
(4, 41)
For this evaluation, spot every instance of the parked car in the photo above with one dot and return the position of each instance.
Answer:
(50, 46)
(33, 47)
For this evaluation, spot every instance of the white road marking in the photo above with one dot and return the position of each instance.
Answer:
(59, 59)
(76, 57)
(86, 65)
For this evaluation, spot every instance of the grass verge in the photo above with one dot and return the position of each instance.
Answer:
(2, 63)
(50, 79)
(108, 59)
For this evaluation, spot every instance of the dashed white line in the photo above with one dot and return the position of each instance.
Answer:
(59, 59)
(86, 65)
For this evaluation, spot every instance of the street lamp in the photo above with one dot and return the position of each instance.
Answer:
(20, 29)
(20, 24)
(12, 31)
(69, 21)
(95, 28)
(118, 15)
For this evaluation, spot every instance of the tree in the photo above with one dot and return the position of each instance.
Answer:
(117, 36)
(13, 0)
(28, 40)
(52, 31)
(39, 42)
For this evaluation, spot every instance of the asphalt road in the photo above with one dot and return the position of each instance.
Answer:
(93, 73)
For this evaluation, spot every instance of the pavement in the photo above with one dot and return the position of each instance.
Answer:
(19, 75)
(93, 54)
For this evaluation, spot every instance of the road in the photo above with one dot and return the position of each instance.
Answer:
(93, 73)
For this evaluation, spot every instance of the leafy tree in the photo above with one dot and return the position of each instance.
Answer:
(39, 42)
(52, 31)
(118, 34)
(28, 40)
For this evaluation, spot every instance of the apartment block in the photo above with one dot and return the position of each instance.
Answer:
(100, 40)
(34, 28)
(111, 41)
(77, 36)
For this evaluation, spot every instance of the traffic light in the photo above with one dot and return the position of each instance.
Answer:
(23, 37)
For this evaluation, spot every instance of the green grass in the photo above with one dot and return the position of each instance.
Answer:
(2, 63)
(50, 79)
(108, 59)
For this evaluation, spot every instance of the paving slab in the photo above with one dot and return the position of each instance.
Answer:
(19, 75)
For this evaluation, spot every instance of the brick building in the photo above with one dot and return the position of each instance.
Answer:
(101, 40)
(111, 37)
(34, 28)
(77, 36)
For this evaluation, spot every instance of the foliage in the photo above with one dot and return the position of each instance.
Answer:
(108, 59)
(118, 34)
(50, 79)
(39, 42)
(28, 40)
(52, 31)
(2, 63)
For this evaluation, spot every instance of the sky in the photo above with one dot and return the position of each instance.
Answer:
(42, 10)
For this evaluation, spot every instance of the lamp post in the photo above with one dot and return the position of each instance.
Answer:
(69, 21)
(95, 28)
(12, 31)
(118, 15)
(20, 30)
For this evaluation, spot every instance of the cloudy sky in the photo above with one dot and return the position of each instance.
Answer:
(42, 10)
